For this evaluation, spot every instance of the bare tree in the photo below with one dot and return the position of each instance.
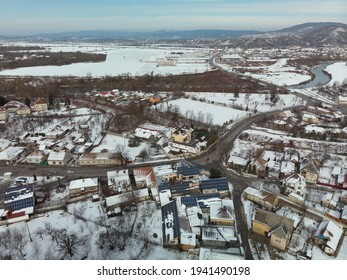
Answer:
(18, 241)
(69, 244)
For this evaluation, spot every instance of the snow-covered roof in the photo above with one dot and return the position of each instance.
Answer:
(10, 153)
(118, 178)
(287, 167)
(35, 155)
(330, 231)
(222, 210)
(165, 197)
(225, 234)
(83, 183)
(163, 170)
(56, 156)
(210, 254)
(145, 133)
(4, 143)
(188, 238)
(125, 197)
(238, 160)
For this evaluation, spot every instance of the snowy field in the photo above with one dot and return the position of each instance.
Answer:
(218, 114)
(278, 73)
(260, 102)
(139, 235)
(115, 143)
(338, 72)
(135, 61)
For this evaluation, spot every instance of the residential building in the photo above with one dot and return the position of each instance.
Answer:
(23, 111)
(40, 105)
(222, 213)
(218, 237)
(3, 114)
(261, 197)
(126, 199)
(294, 183)
(188, 172)
(278, 228)
(83, 186)
(217, 185)
(171, 227)
(58, 158)
(95, 159)
(119, 180)
(144, 177)
(36, 157)
(182, 135)
(310, 118)
(19, 202)
(328, 235)
(310, 171)
(11, 154)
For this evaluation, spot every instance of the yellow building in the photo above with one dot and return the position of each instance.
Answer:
(40, 105)
(3, 114)
(182, 135)
(278, 228)
(23, 111)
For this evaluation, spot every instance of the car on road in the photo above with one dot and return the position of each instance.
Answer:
(70, 172)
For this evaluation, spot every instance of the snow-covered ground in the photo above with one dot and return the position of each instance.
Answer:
(86, 220)
(278, 73)
(125, 60)
(338, 72)
(115, 143)
(218, 114)
(260, 102)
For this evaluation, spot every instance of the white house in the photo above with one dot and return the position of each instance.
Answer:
(58, 158)
(294, 183)
(36, 157)
(329, 234)
(81, 186)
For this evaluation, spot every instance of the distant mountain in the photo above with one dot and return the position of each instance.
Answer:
(312, 34)
(309, 27)
(305, 35)
(155, 35)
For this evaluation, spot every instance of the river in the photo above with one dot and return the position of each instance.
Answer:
(321, 78)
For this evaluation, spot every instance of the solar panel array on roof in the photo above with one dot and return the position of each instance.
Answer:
(16, 191)
(15, 205)
(220, 184)
(191, 201)
(164, 186)
(180, 188)
(186, 170)
(167, 210)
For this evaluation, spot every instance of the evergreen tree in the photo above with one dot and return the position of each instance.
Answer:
(27, 101)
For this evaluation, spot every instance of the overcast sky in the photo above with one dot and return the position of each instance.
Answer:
(36, 16)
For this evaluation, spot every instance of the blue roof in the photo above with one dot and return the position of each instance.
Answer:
(188, 170)
(191, 201)
(166, 210)
(220, 184)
